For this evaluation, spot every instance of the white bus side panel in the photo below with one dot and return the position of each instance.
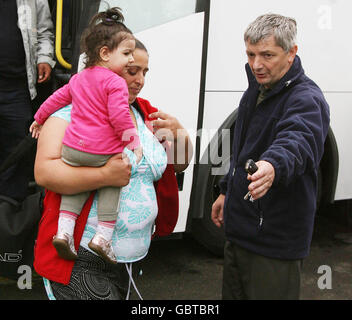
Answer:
(323, 33)
(217, 107)
(173, 82)
(340, 105)
(175, 48)
(340, 109)
(323, 40)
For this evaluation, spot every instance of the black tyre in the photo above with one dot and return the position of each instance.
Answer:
(204, 230)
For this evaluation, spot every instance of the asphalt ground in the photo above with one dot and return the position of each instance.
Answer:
(184, 270)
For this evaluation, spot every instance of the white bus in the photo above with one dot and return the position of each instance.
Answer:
(197, 59)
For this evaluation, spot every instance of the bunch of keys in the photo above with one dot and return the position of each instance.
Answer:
(251, 168)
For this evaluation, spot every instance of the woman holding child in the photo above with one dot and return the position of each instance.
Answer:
(149, 196)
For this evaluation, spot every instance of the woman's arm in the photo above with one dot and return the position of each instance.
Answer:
(52, 173)
(169, 128)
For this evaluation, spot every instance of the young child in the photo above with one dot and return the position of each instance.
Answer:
(101, 126)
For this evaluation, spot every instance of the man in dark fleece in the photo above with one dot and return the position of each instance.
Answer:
(282, 123)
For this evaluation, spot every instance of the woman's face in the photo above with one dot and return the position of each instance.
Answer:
(136, 72)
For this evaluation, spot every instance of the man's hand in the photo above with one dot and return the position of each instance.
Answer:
(217, 211)
(44, 71)
(262, 180)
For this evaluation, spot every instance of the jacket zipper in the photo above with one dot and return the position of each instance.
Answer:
(261, 217)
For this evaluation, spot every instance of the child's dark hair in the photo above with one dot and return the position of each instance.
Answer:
(105, 29)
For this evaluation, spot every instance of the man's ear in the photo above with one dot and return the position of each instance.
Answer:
(104, 53)
(292, 53)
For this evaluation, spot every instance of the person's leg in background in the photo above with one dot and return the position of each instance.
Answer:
(15, 117)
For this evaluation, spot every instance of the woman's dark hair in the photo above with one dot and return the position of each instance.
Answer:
(140, 45)
(105, 29)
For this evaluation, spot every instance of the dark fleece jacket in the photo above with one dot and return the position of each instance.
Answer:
(288, 129)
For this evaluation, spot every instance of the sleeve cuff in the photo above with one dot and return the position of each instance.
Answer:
(277, 170)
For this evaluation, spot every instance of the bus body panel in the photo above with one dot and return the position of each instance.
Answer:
(340, 108)
(322, 37)
(176, 51)
(173, 82)
(323, 47)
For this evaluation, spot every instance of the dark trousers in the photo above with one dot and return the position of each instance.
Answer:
(15, 117)
(249, 276)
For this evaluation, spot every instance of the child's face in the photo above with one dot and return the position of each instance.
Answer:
(121, 56)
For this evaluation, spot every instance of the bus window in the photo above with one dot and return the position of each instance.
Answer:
(142, 15)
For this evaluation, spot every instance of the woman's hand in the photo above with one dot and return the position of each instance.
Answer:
(117, 171)
(52, 173)
(168, 128)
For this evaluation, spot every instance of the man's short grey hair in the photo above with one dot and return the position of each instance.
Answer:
(284, 29)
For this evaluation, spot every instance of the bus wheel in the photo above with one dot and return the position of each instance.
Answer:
(204, 230)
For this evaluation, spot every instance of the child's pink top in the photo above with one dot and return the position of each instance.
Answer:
(100, 119)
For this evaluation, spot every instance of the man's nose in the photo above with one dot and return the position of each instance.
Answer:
(257, 63)
(131, 59)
